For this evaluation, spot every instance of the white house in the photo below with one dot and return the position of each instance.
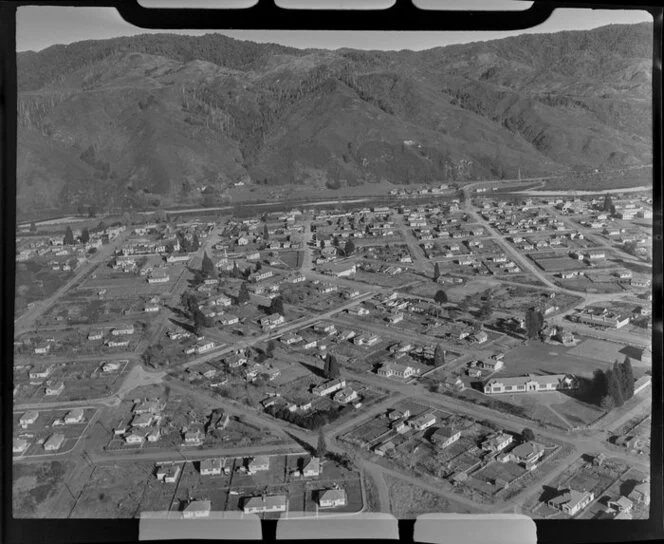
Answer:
(331, 498)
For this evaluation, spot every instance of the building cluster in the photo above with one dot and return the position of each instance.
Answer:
(143, 424)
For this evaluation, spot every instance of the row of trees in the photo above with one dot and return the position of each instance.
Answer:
(69, 240)
(331, 369)
(312, 421)
(534, 322)
(612, 387)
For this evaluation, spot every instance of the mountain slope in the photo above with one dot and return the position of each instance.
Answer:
(157, 119)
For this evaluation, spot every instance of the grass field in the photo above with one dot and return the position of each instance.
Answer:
(598, 350)
(540, 358)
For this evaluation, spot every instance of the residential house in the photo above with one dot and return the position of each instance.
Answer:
(491, 365)
(570, 501)
(211, 467)
(258, 464)
(75, 416)
(331, 498)
(54, 442)
(264, 503)
(272, 321)
(395, 369)
(43, 373)
(135, 437)
(497, 442)
(54, 388)
(641, 493)
(28, 418)
(622, 504)
(168, 473)
(19, 445)
(193, 437)
(527, 454)
(445, 436)
(345, 396)
(422, 422)
(141, 421)
(197, 509)
(329, 387)
(312, 468)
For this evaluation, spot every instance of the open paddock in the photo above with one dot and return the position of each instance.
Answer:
(132, 285)
(557, 263)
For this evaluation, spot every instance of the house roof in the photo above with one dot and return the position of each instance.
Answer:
(569, 496)
(445, 432)
(313, 465)
(333, 495)
(265, 501)
(198, 506)
(526, 449)
(523, 380)
(260, 460)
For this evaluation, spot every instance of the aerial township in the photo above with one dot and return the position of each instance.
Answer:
(488, 347)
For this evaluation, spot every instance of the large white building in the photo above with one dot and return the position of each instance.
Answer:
(530, 384)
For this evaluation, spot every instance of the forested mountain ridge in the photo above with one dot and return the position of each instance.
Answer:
(168, 118)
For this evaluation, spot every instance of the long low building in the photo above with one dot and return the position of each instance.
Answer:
(530, 384)
(601, 317)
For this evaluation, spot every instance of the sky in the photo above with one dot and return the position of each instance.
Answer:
(39, 27)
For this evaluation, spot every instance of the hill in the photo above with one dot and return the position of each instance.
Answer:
(152, 120)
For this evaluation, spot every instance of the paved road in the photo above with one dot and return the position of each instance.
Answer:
(192, 454)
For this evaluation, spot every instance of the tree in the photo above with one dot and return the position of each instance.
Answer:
(258, 266)
(534, 321)
(207, 266)
(599, 385)
(527, 435)
(200, 321)
(441, 296)
(190, 302)
(243, 294)
(436, 272)
(271, 346)
(349, 249)
(607, 403)
(614, 387)
(608, 203)
(266, 232)
(628, 377)
(331, 369)
(236, 271)
(486, 310)
(92, 211)
(277, 306)
(85, 236)
(321, 448)
(195, 243)
(439, 355)
(69, 237)
(33, 227)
